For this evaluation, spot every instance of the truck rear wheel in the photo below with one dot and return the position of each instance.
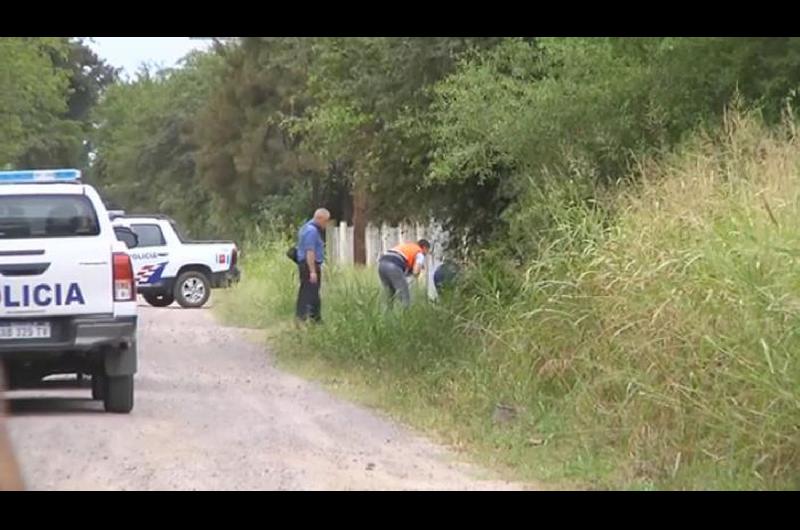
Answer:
(159, 300)
(192, 289)
(11, 381)
(118, 394)
(98, 386)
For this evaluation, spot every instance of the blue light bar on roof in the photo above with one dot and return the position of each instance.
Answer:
(40, 175)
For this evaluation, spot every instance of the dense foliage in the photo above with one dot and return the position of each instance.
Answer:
(261, 130)
(474, 132)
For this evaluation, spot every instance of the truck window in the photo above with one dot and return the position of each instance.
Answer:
(47, 216)
(178, 232)
(149, 235)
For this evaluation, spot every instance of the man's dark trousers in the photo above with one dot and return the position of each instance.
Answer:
(308, 301)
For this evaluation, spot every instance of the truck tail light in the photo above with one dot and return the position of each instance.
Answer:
(124, 284)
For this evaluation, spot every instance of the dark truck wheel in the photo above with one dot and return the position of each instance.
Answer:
(192, 289)
(159, 300)
(98, 386)
(11, 381)
(118, 394)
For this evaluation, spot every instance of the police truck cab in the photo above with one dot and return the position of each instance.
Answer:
(67, 289)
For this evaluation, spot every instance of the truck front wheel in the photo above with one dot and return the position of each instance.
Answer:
(159, 300)
(192, 289)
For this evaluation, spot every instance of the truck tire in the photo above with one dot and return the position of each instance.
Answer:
(159, 300)
(19, 379)
(98, 386)
(192, 289)
(118, 395)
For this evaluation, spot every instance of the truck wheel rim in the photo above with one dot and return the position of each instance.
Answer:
(193, 290)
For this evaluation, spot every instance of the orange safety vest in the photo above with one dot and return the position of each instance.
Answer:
(409, 252)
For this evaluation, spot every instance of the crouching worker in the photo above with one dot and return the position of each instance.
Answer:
(400, 265)
(445, 276)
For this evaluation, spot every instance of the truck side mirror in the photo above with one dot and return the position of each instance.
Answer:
(127, 236)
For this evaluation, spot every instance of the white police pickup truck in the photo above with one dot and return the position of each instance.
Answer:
(170, 268)
(67, 292)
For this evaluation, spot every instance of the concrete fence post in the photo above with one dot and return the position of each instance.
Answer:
(384, 238)
(342, 240)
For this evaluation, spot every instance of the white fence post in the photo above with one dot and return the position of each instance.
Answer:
(350, 243)
(332, 246)
(384, 238)
(374, 245)
(342, 240)
(432, 262)
(368, 245)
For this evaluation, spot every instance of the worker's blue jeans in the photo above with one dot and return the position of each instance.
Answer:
(393, 278)
(308, 300)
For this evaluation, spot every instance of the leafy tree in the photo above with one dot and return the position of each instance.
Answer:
(66, 142)
(145, 141)
(32, 93)
(368, 92)
(250, 156)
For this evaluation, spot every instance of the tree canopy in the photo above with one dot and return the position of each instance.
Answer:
(257, 132)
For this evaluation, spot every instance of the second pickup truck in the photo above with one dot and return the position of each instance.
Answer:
(170, 268)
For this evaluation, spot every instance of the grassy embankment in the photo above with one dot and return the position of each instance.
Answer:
(658, 352)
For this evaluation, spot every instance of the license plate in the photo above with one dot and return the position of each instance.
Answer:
(24, 330)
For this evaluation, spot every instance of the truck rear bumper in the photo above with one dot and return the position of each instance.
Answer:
(225, 278)
(74, 334)
(90, 345)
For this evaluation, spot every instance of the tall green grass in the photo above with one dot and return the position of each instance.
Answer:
(656, 351)
(264, 298)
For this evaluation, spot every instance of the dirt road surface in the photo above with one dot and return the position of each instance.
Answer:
(212, 413)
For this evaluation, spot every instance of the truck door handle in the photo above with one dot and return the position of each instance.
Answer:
(162, 254)
(23, 269)
(22, 253)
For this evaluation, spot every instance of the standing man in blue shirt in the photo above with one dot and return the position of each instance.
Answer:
(310, 256)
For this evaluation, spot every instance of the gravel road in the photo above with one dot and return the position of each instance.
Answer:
(213, 413)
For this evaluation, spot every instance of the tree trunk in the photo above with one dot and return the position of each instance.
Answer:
(359, 222)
